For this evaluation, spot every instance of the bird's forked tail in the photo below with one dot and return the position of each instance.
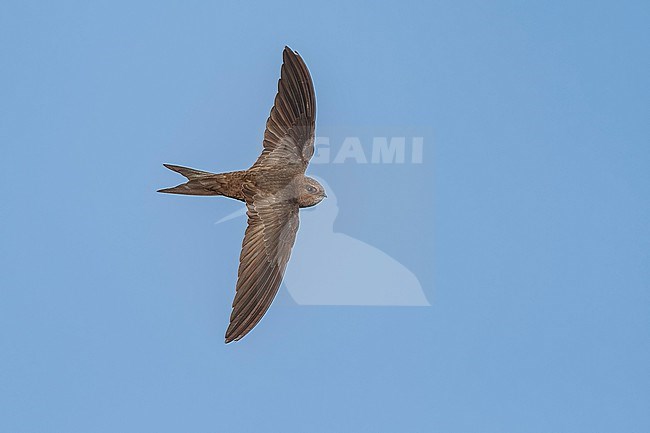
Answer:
(199, 182)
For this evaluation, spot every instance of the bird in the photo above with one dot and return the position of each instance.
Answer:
(274, 188)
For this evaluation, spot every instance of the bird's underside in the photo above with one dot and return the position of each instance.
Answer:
(274, 189)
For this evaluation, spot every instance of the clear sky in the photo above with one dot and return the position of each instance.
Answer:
(526, 223)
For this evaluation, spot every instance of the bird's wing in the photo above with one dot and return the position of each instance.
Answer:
(289, 134)
(271, 232)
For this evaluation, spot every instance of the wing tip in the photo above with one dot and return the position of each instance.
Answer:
(288, 53)
(230, 336)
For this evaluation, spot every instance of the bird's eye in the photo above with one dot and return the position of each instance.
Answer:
(311, 189)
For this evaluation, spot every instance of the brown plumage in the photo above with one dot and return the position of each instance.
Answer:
(274, 188)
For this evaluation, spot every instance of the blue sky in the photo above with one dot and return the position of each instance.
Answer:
(526, 223)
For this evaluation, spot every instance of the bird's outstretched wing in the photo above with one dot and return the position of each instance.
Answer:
(289, 134)
(271, 232)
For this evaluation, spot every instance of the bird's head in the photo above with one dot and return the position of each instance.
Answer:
(311, 192)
